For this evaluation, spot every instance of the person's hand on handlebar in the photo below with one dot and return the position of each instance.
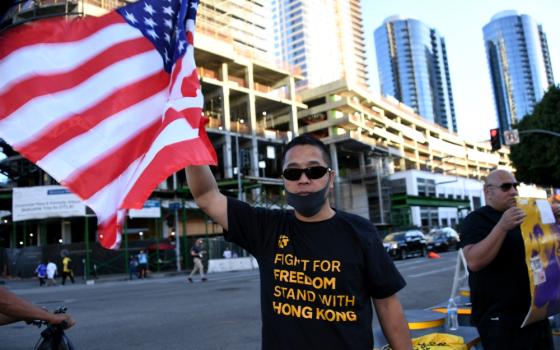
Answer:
(15, 309)
(60, 318)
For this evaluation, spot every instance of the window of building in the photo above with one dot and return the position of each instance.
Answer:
(431, 188)
(429, 217)
(421, 183)
(426, 187)
(398, 186)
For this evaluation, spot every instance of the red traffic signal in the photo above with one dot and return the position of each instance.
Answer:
(495, 141)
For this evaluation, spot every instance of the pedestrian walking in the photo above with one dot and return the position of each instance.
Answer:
(142, 264)
(51, 273)
(132, 267)
(41, 272)
(227, 253)
(197, 253)
(67, 270)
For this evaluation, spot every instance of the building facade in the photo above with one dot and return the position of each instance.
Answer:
(324, 38)
(413, 68)
(519, 63)
(425, 199)
(373, 139)
(243, 23)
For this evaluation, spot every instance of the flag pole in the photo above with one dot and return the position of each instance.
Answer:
(88, 253)
(126, 255)
(176, 211)
(184, 226)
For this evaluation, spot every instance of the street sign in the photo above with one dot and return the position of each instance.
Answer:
(511, 137)
(174, 205)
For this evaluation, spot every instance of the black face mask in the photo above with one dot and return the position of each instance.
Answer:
(310, 204)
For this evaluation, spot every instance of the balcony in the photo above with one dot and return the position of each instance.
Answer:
(273, 134)
(25, 11)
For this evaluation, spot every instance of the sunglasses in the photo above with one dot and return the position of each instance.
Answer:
(506, 186)
(313, 173)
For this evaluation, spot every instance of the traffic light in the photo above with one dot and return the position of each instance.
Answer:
(495, 139)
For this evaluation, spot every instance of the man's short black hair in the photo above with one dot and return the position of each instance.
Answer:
(307, 139)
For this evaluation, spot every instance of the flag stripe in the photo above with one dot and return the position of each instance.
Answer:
(172, 158)
(107, 136)
(65, 130)
(90, 180)
(108, 230)
(50, 84)
(47, 31)
(47, 59)
(22, 126)
(95, 176)
(106, 201)
(175, 132)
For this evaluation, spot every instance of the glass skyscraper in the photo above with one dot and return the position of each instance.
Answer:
(519, 63)
(324, 38)
(413, 68)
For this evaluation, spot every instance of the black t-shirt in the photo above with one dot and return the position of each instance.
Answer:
(317, 279)
(196, 251)
(501, 289)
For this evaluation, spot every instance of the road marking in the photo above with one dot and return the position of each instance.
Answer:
(432, 272)
(428, 263)
(409, 268)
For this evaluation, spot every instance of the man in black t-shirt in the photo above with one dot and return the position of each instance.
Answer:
(320, 269)
(499, 282)
(197, 253)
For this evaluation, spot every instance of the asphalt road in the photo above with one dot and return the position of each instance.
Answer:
(168, 313)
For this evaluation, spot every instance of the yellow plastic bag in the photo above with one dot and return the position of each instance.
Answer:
(436, 341)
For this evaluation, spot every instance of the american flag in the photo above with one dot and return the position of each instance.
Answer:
(109, 106)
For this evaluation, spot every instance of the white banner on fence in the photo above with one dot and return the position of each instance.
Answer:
(152, 209)
(42, 202)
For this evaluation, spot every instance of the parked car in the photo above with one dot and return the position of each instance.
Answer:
(405, 243)
(443, 239)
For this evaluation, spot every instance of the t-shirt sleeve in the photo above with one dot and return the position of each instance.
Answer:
(473, 229)
(382, 277)
(245, 226)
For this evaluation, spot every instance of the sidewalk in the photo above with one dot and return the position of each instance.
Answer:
(33, 282)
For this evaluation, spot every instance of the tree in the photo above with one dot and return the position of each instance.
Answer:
(537, 157)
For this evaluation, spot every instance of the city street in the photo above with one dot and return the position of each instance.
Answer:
(169, 313)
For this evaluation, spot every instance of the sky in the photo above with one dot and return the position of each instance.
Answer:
(460, 22)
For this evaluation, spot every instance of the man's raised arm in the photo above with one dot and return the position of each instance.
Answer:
(204, 189)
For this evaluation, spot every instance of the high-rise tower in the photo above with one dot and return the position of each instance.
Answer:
(244, 23)
(324, 38)
(413, 68)
(519, 63)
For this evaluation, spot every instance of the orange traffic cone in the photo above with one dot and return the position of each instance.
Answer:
(433, 255)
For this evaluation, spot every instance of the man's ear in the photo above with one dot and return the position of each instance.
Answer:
(332, 175)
